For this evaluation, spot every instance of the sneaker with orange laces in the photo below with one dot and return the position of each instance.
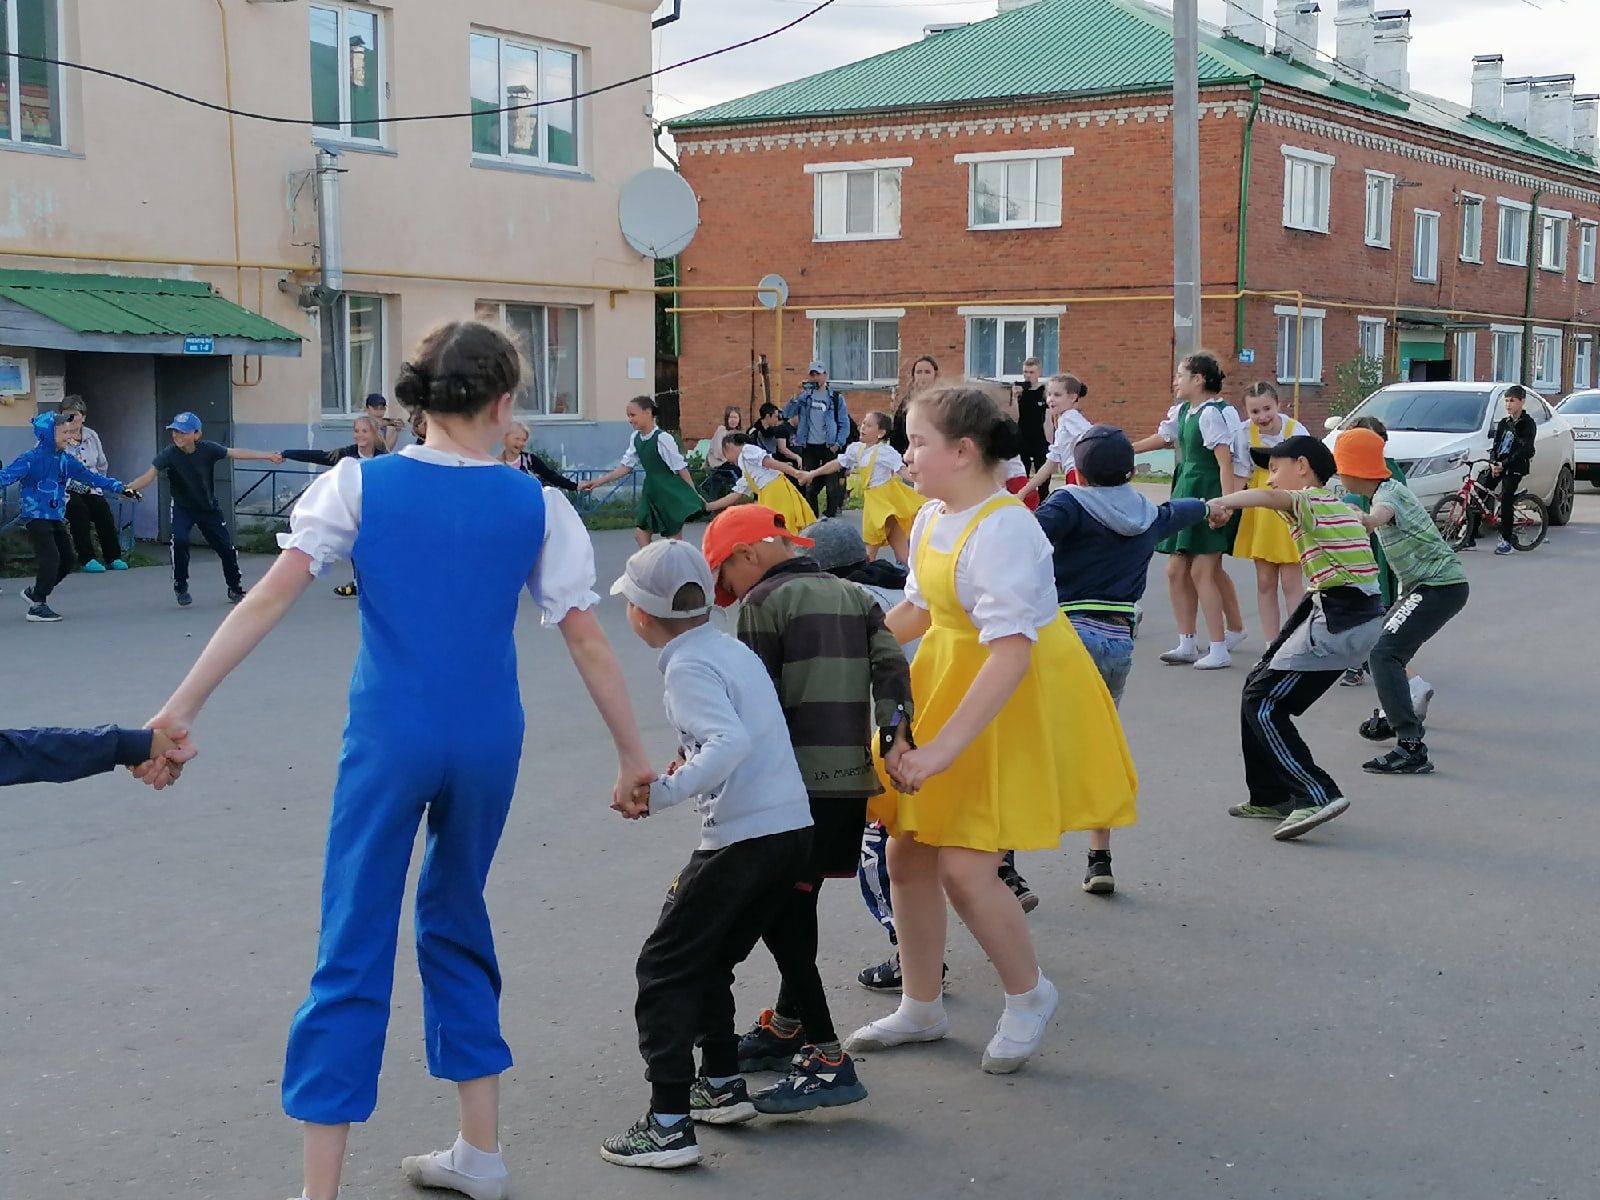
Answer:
(765, 1049)
(814, 1081)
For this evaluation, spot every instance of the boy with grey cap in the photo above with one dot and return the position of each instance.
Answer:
(736, 763)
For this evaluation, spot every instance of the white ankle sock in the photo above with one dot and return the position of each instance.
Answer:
(1032, 1000)
(913, 1016)
(1220, 649)
(1186, 641)
(1418, 686)
(479, 1164)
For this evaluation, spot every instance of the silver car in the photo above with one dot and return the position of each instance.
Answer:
(1581, 412)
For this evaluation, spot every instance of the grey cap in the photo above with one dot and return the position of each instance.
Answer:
(838, 544)
(655, 574)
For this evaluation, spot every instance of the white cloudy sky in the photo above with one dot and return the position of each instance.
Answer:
(1537, 37)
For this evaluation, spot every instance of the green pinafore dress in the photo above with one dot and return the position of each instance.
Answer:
(1198, 476)
(665, 500)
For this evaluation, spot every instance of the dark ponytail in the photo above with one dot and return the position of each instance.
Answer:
(1208, 366)
(459, 368)
(1071, 384)
(967, 412)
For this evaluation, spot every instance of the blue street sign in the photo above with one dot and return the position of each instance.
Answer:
(199, 345)
(1247, 356)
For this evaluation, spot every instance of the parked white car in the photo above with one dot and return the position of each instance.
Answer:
(1581, 412)
(1435, 428)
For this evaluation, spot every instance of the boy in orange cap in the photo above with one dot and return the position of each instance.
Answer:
(839, 672)
(1432, 589)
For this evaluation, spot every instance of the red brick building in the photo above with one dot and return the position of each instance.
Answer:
(1004, 189)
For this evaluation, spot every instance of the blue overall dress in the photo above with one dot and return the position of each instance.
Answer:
(435, 733)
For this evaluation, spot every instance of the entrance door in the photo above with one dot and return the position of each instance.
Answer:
(203, 386)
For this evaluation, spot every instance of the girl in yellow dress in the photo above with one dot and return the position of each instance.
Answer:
(1015, 741)
(888, 505)
(1263, 534)
(766, 480)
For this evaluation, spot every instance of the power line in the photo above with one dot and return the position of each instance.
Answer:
(448, 116)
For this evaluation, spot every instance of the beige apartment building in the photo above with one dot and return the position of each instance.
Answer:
(157, 256)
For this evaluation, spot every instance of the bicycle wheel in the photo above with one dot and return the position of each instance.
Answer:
(1529, 524)
(1450, 519)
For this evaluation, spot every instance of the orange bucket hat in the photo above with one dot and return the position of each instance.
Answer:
(1359, 454)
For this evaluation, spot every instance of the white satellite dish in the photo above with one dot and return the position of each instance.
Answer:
(772, 291)
(659, 213)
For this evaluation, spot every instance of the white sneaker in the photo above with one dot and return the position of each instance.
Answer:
(436, 1171)
(1180, 655)
(1235, 637)
(1018, 1035)
(1215, 660)
(1420, 699)
(880, 1035)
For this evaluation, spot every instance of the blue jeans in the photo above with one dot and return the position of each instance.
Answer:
(1113, 657)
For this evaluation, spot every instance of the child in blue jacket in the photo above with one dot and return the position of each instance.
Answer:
(43, 472)
(1103, 532)
(63, 755)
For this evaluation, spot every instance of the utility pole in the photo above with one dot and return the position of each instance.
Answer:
(1186, 176)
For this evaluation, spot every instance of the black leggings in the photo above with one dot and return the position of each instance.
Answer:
(791, 937)
(90, 516)
(1510, 485)
(52, 554)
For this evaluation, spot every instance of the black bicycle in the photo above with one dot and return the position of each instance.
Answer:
(1480, 493)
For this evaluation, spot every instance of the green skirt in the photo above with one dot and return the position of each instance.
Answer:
(1199, 482)
(665, 504)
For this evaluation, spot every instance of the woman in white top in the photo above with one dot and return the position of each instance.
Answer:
(1063, 398)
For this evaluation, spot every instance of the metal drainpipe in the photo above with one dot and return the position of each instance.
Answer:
(1535, 240)
(1244, 213)
(330, 260)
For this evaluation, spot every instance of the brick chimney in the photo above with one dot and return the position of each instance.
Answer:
(1246, 22)
(1354, 26)
(1517, 94)
(1550, 109)
(1488, 86)
(1297, 31)
(1586, 125)
(1391, 49)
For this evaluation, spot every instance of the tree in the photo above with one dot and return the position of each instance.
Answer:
(1353, 382)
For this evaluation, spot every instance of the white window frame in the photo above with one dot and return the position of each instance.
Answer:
(1317, 169)
(1032, 312)
(1425, 249)
(1547, 348)
(1582, 361)
(1042, 160)
(1311, 331)
(1380, 231)
(1471, 250)
(1501, 335)
(1366, 329)
(876, 165)
(377, 60)
(543, 370)
(1588, 237)
(353, 404)
(873, 317)
(1559, 226)
(1524, 212)
(12, 67)
(1466, 355)
(541, 160)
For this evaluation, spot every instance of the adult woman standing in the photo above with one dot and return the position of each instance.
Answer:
(924, 375)
(514, 452)
(1200, 427)
(89, 514)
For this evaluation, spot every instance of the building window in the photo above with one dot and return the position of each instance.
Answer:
(1547, 360)
(1507, 366)
(1471, 228)
(1553, 228)
(507, 72)
(1513, 249)
(1307, 184)
(361, 357)
(1582, 362)
(857, 201)
(1588, 231)
(859, 349)
(1425, 247)
(999, 343)
(1380, 207)
(347, 71)
(1299, 344)
(1014, 190)
(1369, 335)
(551, 340)
(30, 92)
(1466, 356)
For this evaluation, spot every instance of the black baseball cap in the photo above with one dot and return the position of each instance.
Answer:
(1302, 445)
(1104, 456)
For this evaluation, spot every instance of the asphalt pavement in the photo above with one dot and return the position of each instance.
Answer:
(1402, 1004)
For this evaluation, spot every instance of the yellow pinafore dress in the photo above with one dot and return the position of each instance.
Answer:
(1054, 760)
(785, 499)
(1264, 534)
(895, 500)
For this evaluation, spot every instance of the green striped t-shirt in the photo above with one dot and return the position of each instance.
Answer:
(1418, 554)
(1333, 544)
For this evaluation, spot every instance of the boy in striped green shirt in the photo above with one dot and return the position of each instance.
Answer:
(1335, 628)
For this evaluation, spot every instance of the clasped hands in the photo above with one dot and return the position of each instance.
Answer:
(170, 749)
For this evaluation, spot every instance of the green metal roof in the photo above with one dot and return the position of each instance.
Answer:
(120, 304)
(1058, 48)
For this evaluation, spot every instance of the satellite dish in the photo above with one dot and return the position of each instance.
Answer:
(772, 291)
(659, 213)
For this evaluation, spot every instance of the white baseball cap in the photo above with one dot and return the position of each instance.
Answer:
(655, 574)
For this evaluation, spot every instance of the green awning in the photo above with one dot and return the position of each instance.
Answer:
(125, 306)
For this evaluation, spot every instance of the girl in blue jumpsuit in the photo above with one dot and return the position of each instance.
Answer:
(445, 538)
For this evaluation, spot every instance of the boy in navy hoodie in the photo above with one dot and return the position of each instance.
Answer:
(44, 472)
(62, 755)
(1103, 533)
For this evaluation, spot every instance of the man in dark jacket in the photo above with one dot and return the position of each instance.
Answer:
(1510, 460)
(822, 429)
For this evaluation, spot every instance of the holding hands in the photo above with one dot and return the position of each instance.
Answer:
(170, 749)
(1218, 514)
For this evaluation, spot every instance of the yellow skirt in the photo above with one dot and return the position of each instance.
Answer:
(1054, 760)
(895, 499)
(785, 499)
(1264, 536)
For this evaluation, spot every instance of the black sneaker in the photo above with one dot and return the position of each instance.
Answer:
(1353, 677)
(27, 596)
(1402, 760)
(765, 1049)
(813, 1082)
(43, 614)
(1376, 728)
(235, 595)
(1019, 887)
(725, 1105)
(1097, 881)
(649, 1143)
(184, 599)
(885, 977)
